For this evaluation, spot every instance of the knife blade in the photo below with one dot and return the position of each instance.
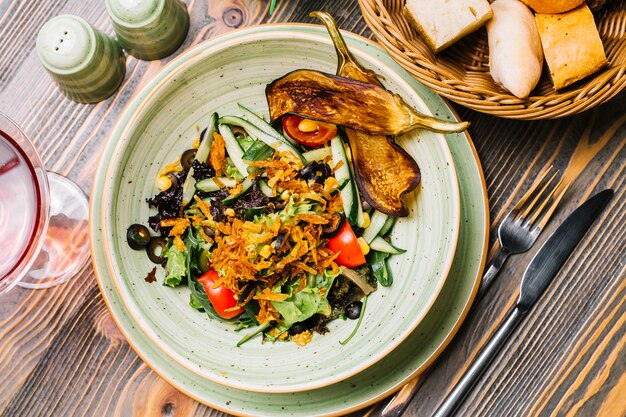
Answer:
(542, 269)
(553, 254)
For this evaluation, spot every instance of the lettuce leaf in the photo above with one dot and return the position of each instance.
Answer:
(176, 266)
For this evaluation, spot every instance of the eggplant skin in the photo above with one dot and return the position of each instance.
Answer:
(353, 104)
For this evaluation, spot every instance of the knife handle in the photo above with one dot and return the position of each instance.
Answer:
(467, 381)
(492, 271)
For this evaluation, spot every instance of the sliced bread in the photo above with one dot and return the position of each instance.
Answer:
(571, 45)
(443, 22)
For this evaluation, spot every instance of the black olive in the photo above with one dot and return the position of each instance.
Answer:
(333, 227)
(316, 171)
(138, 236)
(239, 132)
(302, 326)
(208, 231)
(353, 310)
(279, 241)
(187, 158)
(297, 328)
(155, 249)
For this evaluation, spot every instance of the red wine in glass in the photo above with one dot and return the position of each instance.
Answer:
(43, 217)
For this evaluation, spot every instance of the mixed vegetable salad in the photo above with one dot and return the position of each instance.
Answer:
(267, 228)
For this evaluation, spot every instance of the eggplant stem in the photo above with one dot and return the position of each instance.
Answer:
(349, 67)
(344, 57)
(437, 125)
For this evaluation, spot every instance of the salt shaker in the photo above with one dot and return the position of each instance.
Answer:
(87, 65)
(149, 29)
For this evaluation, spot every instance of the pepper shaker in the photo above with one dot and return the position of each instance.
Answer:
(87, 65)
(149, 29)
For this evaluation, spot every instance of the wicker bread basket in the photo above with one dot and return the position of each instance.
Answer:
(461, 72)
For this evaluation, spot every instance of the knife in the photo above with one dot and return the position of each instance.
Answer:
(540, 272)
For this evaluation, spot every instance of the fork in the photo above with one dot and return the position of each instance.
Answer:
(517, 232)
(523, 223)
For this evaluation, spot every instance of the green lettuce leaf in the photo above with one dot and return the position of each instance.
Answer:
(176, 266)
(302, 305)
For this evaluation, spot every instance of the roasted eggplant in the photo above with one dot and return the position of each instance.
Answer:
(353, 104)
(384, 171)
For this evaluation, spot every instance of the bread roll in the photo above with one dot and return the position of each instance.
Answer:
(443, 22)
(571, 44)
(515, 55)
(553, 6)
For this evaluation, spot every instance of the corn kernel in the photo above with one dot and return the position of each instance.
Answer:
(365, 248)
(164, 183)
(266, 251)
(229, 212)
(307, 125)
(366, 220)
(285, 195)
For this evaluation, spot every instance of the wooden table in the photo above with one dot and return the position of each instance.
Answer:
(62, 355)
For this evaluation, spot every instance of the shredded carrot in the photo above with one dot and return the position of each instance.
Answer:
(171, 167)
(217, 155)
(180, 245)
(178, 225)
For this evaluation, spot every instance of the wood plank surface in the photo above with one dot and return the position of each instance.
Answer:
(62, 355)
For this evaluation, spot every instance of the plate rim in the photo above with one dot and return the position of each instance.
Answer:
(134, 110)
(434, 353)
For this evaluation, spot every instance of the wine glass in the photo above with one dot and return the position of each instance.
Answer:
(43, 217)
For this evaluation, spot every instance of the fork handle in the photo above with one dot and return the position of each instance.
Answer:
(492, 270)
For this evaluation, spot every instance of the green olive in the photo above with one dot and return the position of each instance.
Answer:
(138, 236)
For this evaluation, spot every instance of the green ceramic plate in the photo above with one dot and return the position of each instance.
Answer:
(161, 123)
(413, 355)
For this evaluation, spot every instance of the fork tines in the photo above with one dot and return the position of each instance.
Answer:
(541, 199)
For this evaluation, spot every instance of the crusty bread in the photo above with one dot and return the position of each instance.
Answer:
(552, 6)
(571, 45)
(515, 56)
(443, 22)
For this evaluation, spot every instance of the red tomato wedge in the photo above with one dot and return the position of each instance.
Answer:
(346, 245)
(308, 132)
(222, 298)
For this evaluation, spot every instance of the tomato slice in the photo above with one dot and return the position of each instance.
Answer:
(347, 246)
(222, 298)
(315, 133)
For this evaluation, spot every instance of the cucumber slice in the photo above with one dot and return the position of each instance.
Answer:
(360, 219)
(209, 185)
(348, 192)
(260, 123)
(281, 143)
(265, 189)
(247, 185)
(378, 221)
(317, 154)
(381, 245)
(202, 154)
(233, 149)
(387, 226)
